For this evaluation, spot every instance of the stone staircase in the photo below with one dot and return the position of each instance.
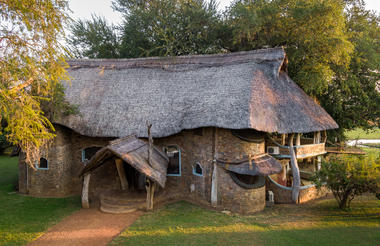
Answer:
(118, 201)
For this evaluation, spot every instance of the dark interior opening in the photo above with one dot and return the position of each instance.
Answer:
(136, 180)
(248, 181)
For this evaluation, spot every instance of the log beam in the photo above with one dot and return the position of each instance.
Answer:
(150, 187)
(121, 172)
(86, 184)
(298, 139)
(214, 186)
(295, 171)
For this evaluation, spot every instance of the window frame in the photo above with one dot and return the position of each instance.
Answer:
(179, 161)
(83, 152)
(194, 169)
(37, 165)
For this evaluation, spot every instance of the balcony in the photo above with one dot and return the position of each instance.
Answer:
(304, 147)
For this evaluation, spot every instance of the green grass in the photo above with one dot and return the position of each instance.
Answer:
(362, 134)
(316, 223)
(22, 218)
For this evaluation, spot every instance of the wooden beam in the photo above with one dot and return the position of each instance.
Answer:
(295, 171)
(86, 184)
(283, 139)
(149, 185)
(214, 186)
(298, 139)
(120, 170)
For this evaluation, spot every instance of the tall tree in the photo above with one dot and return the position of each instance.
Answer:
(312, 31)
(333, 48)
(31, 67)
(94, 38)
(169, 27)
(353, 99)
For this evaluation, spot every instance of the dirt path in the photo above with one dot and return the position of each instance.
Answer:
(86, 227)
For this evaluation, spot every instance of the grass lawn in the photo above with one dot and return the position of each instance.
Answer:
(362, 134)
(315, 223)
(23, 218)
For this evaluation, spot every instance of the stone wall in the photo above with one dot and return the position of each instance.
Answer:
(230, 195)
(194, 148)
(56, 180)
(65, 163)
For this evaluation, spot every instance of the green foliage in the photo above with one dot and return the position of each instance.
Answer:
(312, 31)
(152, 28)
(348, 177)
(31, 67)
(94, 38)
(23, 218)
(352, 99)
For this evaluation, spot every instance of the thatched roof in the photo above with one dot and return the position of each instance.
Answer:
(262, 165)
(235, 91)
(133, 151)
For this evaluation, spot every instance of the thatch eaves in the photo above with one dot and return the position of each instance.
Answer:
(116, 97)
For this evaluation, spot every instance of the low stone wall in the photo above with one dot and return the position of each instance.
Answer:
(284, 194)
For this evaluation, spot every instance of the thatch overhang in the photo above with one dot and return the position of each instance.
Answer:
(262, 165)
(134, 152)
(116, 97)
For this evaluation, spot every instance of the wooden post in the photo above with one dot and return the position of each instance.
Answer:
(317, 137)
(214, 186)
(298, 139)
(149, 185)
(86, 183)
(283, 139)
(295, 171)
(121, 172)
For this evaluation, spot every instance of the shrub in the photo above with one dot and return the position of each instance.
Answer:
(350, 176)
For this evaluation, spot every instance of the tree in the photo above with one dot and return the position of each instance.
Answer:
(312, 31)
(94, 38)
(348, 177)
(353, 99)
(332, 46)
(31, 67)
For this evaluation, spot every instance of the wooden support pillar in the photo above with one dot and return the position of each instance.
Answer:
(150, 187)
(295, 171)
(214, 186)
(86, 183)
(283, 139)
(317, 137)
(298, 139)
(121, 172)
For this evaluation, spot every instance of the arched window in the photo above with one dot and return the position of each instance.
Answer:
(89, 152)
(42, 164)
(174, 154)
(197, 169)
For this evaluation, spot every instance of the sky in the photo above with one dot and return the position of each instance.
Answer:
(82, 9)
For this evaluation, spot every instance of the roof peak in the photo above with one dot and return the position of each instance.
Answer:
(267, 54)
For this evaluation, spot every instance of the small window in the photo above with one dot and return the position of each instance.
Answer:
(43, 164)
(174, 166)
(87, 153)
(197, 169)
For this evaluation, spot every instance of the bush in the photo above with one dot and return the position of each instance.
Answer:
(350, 176)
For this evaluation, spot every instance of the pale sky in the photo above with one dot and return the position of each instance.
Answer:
(84, 8)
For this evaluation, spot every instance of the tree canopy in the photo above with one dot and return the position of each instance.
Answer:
(332, 45)
(31, 67)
